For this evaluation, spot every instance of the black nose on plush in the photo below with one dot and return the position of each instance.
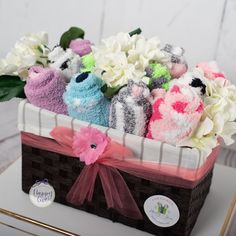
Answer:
(81, 77)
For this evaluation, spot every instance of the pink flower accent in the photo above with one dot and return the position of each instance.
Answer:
(89, 144)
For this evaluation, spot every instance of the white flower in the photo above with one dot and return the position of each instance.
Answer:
(123, 57)
(218, 120)
(146, 50)
(29, 50)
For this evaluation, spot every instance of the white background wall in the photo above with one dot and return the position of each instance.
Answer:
(205, 28)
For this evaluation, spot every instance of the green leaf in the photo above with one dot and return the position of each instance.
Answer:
(110, 92)
(40, 49)
(72, 33)
(10, 87)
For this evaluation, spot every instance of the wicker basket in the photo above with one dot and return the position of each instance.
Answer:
(61, 172)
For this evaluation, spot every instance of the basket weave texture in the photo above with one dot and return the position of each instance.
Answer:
(62, 171)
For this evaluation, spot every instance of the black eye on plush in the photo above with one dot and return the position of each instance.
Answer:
(80, 78)
(64, 65)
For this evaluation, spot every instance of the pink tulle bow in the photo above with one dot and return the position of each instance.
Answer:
(117, 158)
(115, 189)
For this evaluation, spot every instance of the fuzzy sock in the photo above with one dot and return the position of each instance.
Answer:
(175, 114)
(130, 109)
(85, 101)
(45, 88)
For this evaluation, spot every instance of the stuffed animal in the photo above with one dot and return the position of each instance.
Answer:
(176, 114)
(130, 109)
(45, 87)
(65, 60)
(85, 101)
(178, 64)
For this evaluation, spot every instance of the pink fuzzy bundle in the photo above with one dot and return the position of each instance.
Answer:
(176, 114)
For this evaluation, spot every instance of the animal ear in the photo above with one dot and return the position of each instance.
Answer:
(136, 90)
(130, 83)
(175, 89)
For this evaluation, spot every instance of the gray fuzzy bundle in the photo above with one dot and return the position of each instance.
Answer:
(131, 109)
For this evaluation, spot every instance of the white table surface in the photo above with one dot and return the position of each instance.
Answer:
(13, 199)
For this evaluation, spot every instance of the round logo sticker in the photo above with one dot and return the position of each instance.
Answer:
(42, 194)
(161, 211)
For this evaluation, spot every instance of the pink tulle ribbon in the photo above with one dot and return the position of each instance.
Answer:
(115, 158)
(115, 189)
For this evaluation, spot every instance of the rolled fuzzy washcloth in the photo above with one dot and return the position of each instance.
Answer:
(130, 109)
(81, 46)
(45, 87)
(85, 101)
(159, 76)
(176, 114)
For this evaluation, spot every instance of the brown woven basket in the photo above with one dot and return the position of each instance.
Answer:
(62, 171)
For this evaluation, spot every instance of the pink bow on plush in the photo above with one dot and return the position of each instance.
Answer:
(99, 153)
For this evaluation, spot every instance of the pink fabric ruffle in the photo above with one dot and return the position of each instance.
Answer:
(161, 173)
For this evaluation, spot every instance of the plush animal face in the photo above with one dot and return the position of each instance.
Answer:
(134, 92)
(138, 89)
(194, 79)
(65, 60)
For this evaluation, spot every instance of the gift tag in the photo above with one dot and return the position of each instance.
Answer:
(161, 211)
(42, 194)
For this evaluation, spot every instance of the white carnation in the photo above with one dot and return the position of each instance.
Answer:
(29, 50)
(218, 119)
(123, 57)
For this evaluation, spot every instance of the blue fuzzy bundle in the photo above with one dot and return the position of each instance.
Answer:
(85, 101)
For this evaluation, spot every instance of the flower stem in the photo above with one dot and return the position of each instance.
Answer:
(136, 31)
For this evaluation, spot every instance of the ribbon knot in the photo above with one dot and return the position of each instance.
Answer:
(116, 191)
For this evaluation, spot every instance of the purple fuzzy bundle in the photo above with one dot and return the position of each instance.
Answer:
(45, 88)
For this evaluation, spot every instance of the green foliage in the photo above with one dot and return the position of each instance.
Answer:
(109, 92)
(72, 33)
(10, 87)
